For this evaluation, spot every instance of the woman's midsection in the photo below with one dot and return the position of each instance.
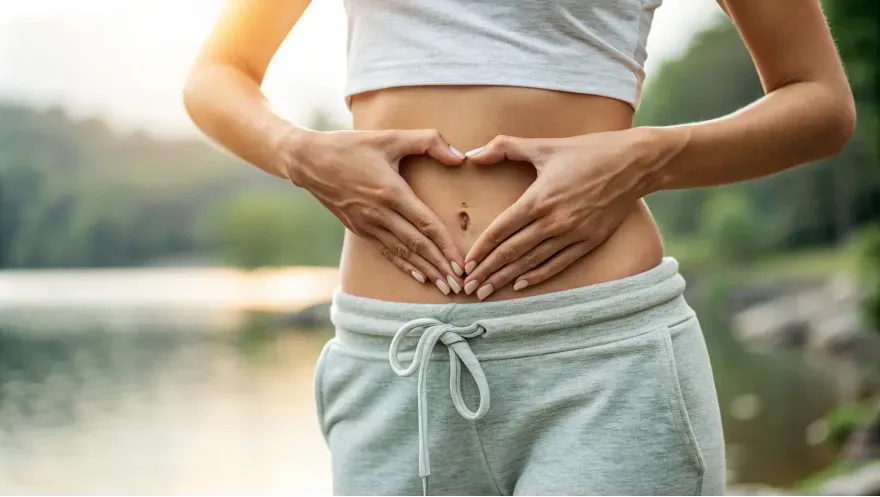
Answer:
(468, 198)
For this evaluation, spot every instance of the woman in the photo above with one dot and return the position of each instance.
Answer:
(532, 258)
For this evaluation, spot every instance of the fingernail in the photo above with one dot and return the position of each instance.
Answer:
(418, 277)
(470, 266)
(470, 287)
(519, 285)
(453, 284)
(485, 291)
(456, 268)
(442, 286)
(474, 152)
(456, 152)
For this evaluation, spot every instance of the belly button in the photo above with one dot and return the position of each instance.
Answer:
(463, 220)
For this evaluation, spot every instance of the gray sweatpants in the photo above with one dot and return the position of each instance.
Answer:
(604, 389)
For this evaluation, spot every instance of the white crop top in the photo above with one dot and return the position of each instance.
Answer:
(583, 46)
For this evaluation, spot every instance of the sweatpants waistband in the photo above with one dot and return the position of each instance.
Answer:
(536, 325)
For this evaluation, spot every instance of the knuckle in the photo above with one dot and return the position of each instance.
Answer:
(418, 245)
(531, 260)
(588, 242)
(559, 224)
(426, 227)
(432, 138)
(508, 254)
(539, 207)
(371, 215)
(388, 255)
(387, 195)
(496, 236)
(402, 250)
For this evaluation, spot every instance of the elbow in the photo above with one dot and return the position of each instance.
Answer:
(840, 122)
(193, 95)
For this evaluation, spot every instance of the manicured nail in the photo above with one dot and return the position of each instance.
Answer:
(418, 277)
(456, 152)
(470, 287)
(456, 268)
(474, 152)
(470, 266)
(519, 285)
(453, 284)
(443, 287)
(485, 291)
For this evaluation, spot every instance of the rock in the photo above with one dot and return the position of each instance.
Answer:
(864, 443)
(754, 489)
(314, 316)
(822, 318)
(863, 481)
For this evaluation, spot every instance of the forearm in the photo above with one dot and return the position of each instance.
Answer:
(792, 125)
(227, 105)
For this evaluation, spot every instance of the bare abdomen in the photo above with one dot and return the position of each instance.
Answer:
(467, 198)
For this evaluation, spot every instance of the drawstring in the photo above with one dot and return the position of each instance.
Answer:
(459, 351)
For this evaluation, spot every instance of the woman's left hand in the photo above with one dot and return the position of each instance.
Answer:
(585, 187)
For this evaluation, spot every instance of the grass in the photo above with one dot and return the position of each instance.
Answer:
(813, 263)
(697, 255)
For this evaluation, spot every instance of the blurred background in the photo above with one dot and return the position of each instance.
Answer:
(162, 304)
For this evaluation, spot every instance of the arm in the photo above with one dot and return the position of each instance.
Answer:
(807, 113)
(587, 184)
(222, 94)
(352, 173)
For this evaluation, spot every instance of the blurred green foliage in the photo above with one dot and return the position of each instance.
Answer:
(77, 194)
(271, 228)
(845, 420)
(869, 272)
(733, 228)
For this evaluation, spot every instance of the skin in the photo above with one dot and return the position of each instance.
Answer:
(553, 184)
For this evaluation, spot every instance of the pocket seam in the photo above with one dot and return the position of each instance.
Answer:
(319, 388)
(676, 404)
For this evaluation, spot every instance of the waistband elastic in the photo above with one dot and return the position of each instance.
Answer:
(535, 325)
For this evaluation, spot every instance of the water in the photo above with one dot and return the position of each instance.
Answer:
(173, 411)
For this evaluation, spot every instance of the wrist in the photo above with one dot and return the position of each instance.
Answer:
(657, 149)
(290, 151)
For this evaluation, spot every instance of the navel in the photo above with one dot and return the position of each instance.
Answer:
(463, 219)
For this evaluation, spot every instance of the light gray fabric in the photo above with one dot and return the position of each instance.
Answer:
(604, 389)
(594, 47)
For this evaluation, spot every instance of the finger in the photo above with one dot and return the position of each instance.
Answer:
(554, 265)
(421, 245)
(399, 249)
(400, 263)
(504, 147)
(531, 260)
(423, 218)
(425, 142)
(510, 251)
(513, 219)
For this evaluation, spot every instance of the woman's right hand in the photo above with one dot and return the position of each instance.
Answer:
(355, 175)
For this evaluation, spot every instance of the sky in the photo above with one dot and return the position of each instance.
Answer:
(126, 60)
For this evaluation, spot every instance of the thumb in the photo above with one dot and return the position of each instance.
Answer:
(504, 147)
(425, 142)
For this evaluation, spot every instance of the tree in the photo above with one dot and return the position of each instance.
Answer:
(270, 228)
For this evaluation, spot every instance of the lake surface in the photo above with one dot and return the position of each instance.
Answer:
(172, 410)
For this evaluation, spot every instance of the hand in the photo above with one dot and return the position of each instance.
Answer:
(355, 175)
(585, 187)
